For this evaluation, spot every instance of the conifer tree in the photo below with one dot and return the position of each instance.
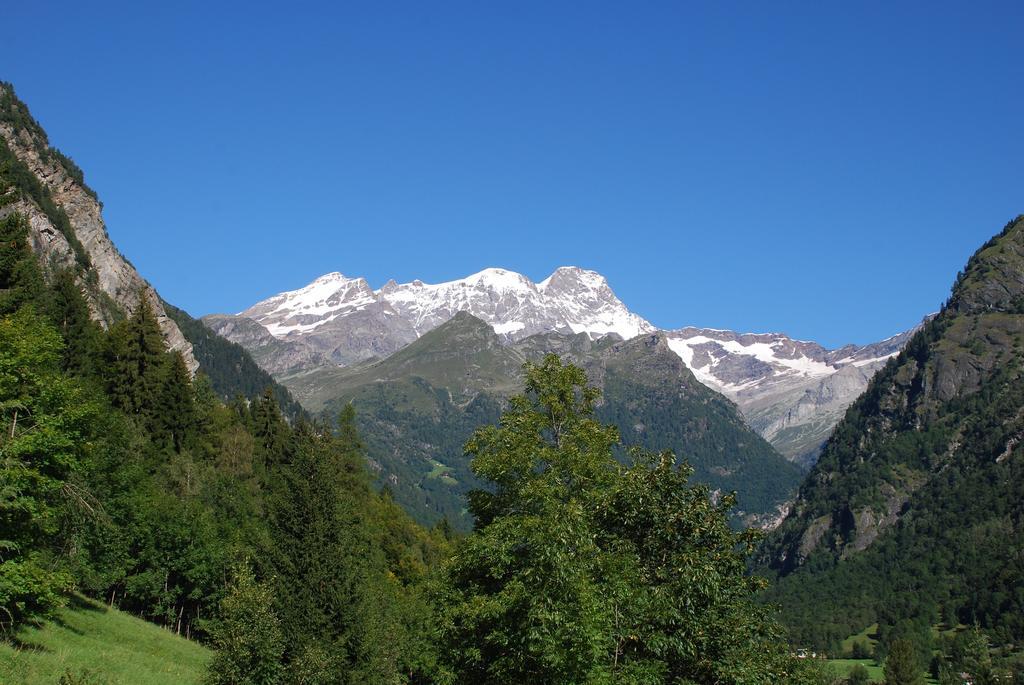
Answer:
(333, 599)
(21, 281)
(69, 310)
(135, 360)
(273, 436)
(175, 413)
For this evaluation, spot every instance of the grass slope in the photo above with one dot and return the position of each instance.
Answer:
(95, 645)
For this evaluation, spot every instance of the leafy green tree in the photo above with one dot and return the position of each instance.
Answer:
(581, 570)
(248, 638)
(47, 424)
(902, 666)
(858, 676)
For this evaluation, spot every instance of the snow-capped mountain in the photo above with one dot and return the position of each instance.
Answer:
(347, 321)
(792, 392)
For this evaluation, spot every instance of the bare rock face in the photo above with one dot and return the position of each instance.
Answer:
(109, 274)
(277, 357)
(791, 392)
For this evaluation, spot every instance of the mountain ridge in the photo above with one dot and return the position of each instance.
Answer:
(917, 493)
(66, 227)
(417, 407)
(792, 392)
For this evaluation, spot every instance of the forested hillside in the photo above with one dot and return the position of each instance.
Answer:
(230, 369)
(914, 513)
(126, 478)
(418, 407)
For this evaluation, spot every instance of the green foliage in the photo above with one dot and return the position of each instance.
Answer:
(175, 414)
(68, 309)
(135, 361)
(123, 477)
(858, 676)
(21, 282)
(229, 367)
(902, 666)
(584, 570)
(330, 577)
(706, 427)
(966, 652)
(924, 472)
(14, 174)
(249, 642)
(47, 423)
(92, 642)
(15, 113)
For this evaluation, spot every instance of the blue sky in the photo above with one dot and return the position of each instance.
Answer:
(822, 169)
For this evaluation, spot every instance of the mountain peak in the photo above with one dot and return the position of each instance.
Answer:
(571, 300)
(499, 279)
(993, 279)
(574, 278)
(331, 277)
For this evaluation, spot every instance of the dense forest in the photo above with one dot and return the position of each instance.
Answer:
(124, 478)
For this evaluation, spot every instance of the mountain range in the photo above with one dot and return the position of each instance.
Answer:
(417, 407)
(791, 392)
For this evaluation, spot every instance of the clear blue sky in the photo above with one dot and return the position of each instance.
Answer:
(822, 169)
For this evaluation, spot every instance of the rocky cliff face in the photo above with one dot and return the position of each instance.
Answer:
(792, 392)
(910, 428)
(110, 281)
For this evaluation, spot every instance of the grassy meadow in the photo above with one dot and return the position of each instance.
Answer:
(88, 643)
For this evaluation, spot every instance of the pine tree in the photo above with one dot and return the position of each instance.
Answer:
(273, 436)
(175, 415)
(21, 281)
(135, 361)
(69, 310)
(334, 601)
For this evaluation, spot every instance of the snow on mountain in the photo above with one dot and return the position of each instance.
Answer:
(792, 392)
(570, 300)
(732, 362)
